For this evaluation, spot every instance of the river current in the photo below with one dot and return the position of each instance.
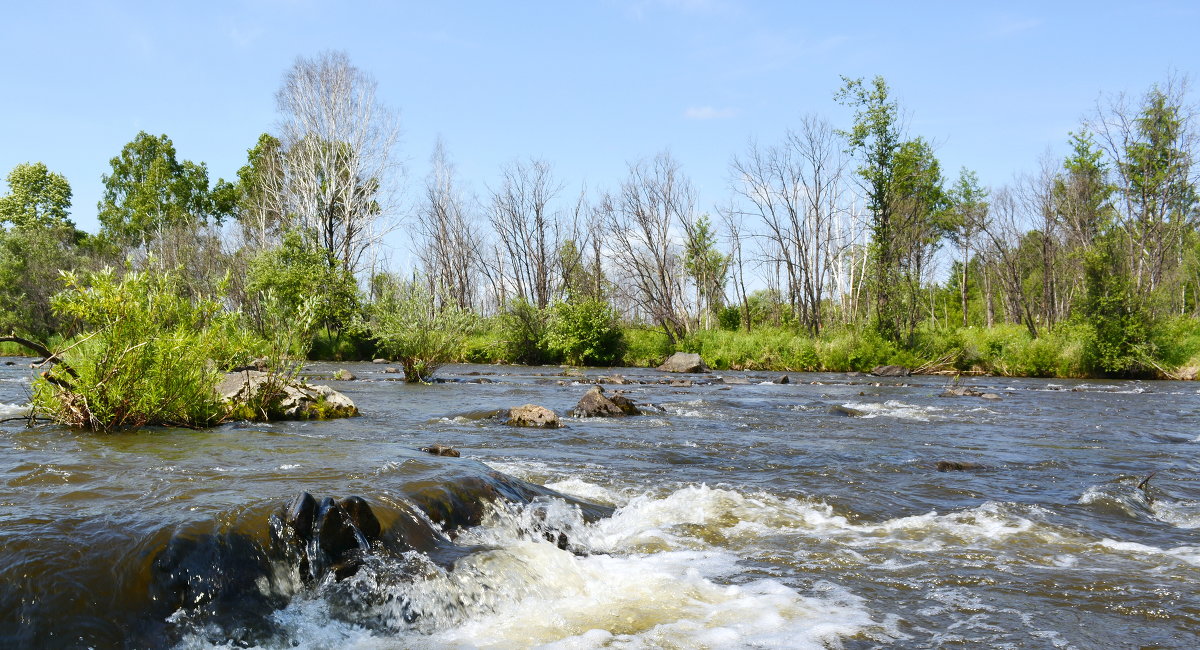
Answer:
(748, 514)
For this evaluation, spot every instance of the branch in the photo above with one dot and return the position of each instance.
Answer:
(40, 349)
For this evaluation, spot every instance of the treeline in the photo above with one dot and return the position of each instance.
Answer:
(827, 232)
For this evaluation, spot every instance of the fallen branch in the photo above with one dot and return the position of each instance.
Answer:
(48, 356)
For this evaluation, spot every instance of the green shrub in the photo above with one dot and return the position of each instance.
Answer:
(645, 347)
(408, 326)
(585, 333)
(729, 318)
(151, 355)
(524, 327)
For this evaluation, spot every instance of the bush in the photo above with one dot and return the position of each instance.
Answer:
(523, 327)
(585, 333)
(729, 318)
(151, 357)
(408, 326)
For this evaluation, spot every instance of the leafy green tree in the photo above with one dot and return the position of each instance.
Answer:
(967, 217)
(298, 273)
(705, 264)
(38, 199)
(149, 190)
(876, 138)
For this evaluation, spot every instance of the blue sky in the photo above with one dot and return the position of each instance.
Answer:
(588, 86)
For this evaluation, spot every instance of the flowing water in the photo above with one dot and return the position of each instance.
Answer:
(802, 515)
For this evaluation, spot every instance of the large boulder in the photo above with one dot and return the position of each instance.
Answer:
(532, 415)
(254, 394)
(595, 404)
(684, 362)
(890, 371)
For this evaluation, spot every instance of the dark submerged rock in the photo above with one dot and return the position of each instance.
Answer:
(441, 450)
(784, 380)
(684, 362)
(957, 466)
(845, 411)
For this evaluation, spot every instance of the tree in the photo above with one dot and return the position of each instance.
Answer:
(297, 273)
(528, 231)
(876, 137)
(338, 164)
(259, 207)
(705, 264)
(38, 199)
(968, 216)
(448, 254)
(655, 199)
(149, 190)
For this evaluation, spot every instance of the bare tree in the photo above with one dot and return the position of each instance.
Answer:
(448, 252)
(1005, 231)
(338, 170)
(643, 223)
(796, 191)
(528, 231)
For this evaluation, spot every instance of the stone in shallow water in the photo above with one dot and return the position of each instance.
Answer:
(595, 404)
(441, 450)
(957, 466)
(684, 362)
(255, 394)
(532, 415)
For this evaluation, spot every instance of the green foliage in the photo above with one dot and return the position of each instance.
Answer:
(646, 347)
(524, 328)
(149, 190)
(408, 326)
(730, 318)
(704, 263)
(30, 261)
(150, 356)
(1118, 342)
(298, 272)
(585, 333)
(38, 199)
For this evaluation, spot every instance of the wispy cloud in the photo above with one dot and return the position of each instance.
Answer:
(708, 113)
(1005, 26)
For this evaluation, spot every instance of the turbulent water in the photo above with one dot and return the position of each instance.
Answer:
(810, 514)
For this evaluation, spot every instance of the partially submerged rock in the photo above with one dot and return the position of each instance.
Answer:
(595, 404)
(967, 391)
(957, 466)
(343, 375)
(846, 411)
(532, 415)
(684, 362)
(258, 395)
(442, 450)
(890, 371)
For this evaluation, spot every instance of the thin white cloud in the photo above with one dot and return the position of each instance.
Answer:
(708, 113)
(1006, 26)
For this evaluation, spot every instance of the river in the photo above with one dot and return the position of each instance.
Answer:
(810, 514)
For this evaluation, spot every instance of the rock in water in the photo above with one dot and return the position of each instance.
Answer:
(595, 404)
(784, 380)
(684, 362)
(845, 411)
(956, 466)
(441, 450)
(253, 394)
(890, 371)
(532, 415)
(379, 360)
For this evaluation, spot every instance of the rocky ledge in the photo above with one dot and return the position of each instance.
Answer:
(259, 395)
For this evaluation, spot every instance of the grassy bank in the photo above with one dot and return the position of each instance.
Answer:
(1009, 350)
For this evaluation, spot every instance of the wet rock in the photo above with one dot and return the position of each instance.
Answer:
(613, 379)
(10, 363)
(362, 517)
(343, 375)
(990, 396)
(784, 380)
(961, 391)
(890, 371)
(595, 404)
(480, 380)
(684, 362)
(734, 380)
(681, 383)
(379, 361)
(441, 450)
(254, 394)
(845, 411)
(956, 466)
(532, 415)
(392, 370)
(482, 414)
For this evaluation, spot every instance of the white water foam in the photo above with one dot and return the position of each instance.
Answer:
(13, 410)
(895, 409)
